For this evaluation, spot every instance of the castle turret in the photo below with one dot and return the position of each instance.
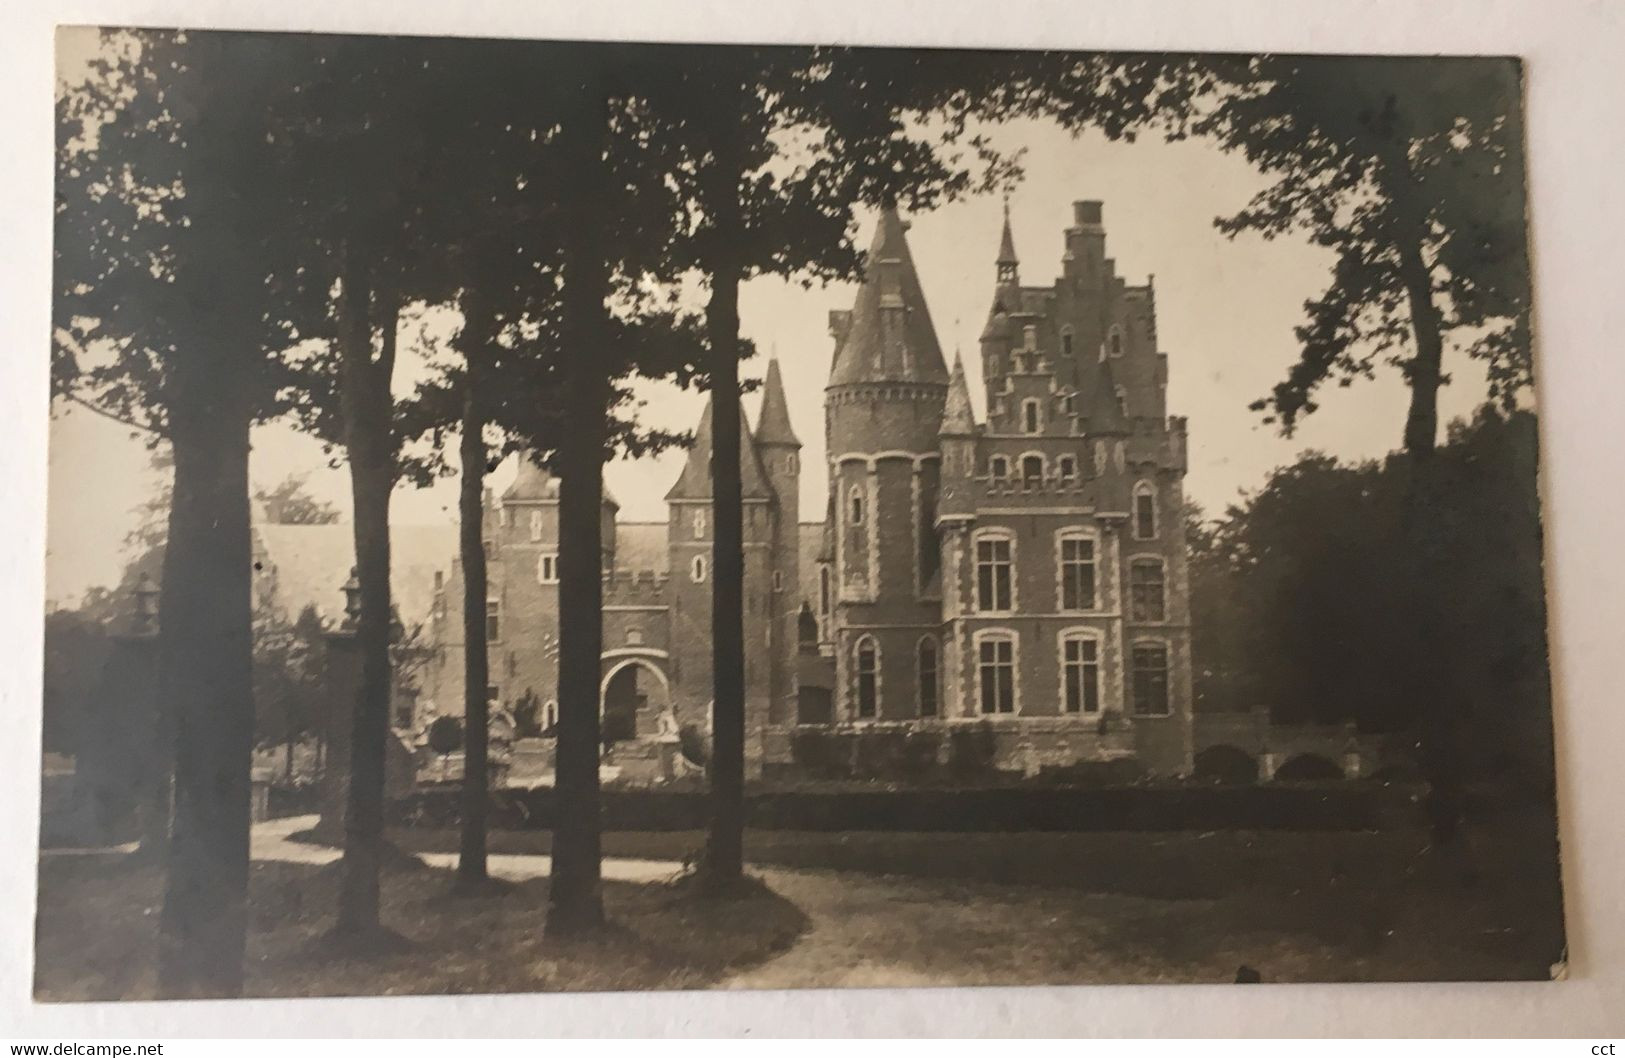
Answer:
(691, 536)
(779, 452)
(884, 406)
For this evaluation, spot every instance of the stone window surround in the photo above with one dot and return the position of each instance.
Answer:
(1009, 536)
(980, 636)
(1098, 638)
(1078, 532)
(1167, 677)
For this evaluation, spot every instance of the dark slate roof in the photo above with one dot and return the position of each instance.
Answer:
(773, 424)
(889, 337)
(694, 483)
(642, 546)
(533, 482)
(304, 565)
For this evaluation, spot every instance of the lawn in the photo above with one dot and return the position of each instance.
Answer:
(97, 930)
(873, 909)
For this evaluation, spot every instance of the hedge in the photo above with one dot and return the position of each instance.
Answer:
(1345, 806)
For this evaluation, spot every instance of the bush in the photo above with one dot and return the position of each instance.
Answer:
(971, 751)
(822, 754)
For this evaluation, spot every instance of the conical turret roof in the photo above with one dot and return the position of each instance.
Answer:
(773, 424)
(533, 482)
(695, 481)
(958, 417)
(889, 337)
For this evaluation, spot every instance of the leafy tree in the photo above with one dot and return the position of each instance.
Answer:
(165, 244)
(290, 503)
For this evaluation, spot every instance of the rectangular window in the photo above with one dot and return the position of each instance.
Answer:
(547, 569)
(535, 526)
(493, 621)
(1151, 679)
(699, 523)
(1147, 599)
(996, 669)
(993, 575)
(1067, 468)
(1080, 664)
(1077, 573)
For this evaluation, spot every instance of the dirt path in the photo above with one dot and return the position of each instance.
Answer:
(271, 840)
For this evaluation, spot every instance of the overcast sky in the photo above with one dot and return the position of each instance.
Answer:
(1226, 310)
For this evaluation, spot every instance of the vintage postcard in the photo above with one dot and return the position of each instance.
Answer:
(533, 516)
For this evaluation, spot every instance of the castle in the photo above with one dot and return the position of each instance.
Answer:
(1025, 576)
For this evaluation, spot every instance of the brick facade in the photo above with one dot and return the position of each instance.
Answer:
(1026, 574)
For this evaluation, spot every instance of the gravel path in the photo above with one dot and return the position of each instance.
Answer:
(271, 840)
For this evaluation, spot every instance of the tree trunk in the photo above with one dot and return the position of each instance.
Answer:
(206, 666)
(1439, 706)
(724, 851)
(576, 903)
(471, 862)
(368, 435)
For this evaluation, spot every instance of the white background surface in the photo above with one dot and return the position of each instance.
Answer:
(1573, 52)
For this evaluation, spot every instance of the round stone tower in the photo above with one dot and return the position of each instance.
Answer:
(883, 413)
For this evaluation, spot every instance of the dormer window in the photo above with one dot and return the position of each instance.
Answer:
(1069, 404)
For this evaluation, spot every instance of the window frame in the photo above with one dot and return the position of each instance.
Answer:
(699, 569)
(998, 467)
(1028, 458)
(1067, 339)
(1066, 468)
(1008, 539)
(1032, 416)
(1137, 613)
(535, 525)
(871, 645)
(1091, 669)
(1077, 534)
(1165, 672)
(1114, 341)
(547, 567)
(1144, 490)
(855, 504)
(493, 621)
(992, 637)
(928, 645)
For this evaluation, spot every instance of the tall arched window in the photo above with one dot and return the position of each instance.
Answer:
(1031, 421)
(866, 676)
(927, 662)
(1145, 511)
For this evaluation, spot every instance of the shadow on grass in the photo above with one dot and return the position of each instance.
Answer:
(96, 935)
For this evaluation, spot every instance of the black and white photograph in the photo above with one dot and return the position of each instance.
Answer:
(586, 516)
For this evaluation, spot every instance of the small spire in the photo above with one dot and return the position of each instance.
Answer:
(1008, 260)
(958, 418)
